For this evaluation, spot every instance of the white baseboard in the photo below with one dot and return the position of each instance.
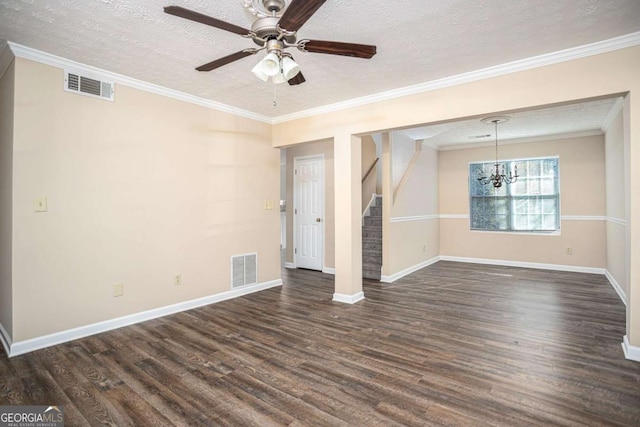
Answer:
(536, 265)
(557, 267)
(348, 299)
(630, 352)
(6, 339)
(616, 286)
(22, 347)
(289, 265)
(392, 278)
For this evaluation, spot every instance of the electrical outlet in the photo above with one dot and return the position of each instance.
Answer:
(118, 289)
(569, 250)
(177, 280)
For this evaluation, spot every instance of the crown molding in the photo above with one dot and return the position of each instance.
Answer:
(570, 54)
(628, 40)
(541, 138)
(46, 58)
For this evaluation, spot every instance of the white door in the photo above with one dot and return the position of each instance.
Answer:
(308, 212)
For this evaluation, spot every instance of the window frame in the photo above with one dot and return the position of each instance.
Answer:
(511, 199)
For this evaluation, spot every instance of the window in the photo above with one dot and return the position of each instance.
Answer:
(531, 204)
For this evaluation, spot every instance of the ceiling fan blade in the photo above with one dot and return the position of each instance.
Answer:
(226, 60)
(297, 79)
(204, 19)
(338, 48)
(298, 12)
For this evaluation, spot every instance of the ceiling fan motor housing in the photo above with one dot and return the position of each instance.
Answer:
(275, 46)
(266, 29)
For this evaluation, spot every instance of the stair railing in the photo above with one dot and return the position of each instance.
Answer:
(366, 175)
(366, 210)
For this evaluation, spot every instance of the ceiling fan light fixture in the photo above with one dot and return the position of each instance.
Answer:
(290, 68)
(270, 65)
(274, 31)
(279, 78)
(257, 71)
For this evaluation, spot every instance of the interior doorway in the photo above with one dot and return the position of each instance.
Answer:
(308, 212)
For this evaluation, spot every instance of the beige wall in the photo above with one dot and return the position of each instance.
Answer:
(107, 181)
(7, 81)
(324, 148)
(411, 227)
(368, 159)
(402, 150)
(419, 194)
(593, 76)
(607, 74)
(615, 202)
(139, 190)
(581, 163)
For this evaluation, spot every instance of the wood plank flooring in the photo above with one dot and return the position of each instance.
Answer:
(453, 344)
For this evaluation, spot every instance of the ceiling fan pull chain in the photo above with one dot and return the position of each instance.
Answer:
(275, 102)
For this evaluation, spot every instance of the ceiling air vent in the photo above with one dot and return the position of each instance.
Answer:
(83, 85)
(244, 270)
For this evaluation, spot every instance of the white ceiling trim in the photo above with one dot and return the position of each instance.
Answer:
(600, 47)
(46, 58)
(540, 138)
(604, 46)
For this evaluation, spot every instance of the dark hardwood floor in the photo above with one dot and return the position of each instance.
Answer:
(452, 344)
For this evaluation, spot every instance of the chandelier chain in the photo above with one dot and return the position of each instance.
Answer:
(497, 177)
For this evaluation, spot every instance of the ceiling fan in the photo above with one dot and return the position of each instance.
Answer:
(274, 32)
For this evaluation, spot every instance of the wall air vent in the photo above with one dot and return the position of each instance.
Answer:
(83, 85)
(244, 270)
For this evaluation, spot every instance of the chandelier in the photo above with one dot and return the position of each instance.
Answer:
(498, 175)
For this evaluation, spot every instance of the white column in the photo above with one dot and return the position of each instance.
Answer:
(347, 151)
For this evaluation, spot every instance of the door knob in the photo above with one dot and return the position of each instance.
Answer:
(317, 219)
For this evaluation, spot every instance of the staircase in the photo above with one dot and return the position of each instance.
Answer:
(372, 241)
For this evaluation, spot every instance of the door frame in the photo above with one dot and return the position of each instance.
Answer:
(319, 156)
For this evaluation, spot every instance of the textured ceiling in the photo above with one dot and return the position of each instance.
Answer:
(418, 41)
(591, 116)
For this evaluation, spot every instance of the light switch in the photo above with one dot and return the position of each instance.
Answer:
(118, 289)
(40, 204)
